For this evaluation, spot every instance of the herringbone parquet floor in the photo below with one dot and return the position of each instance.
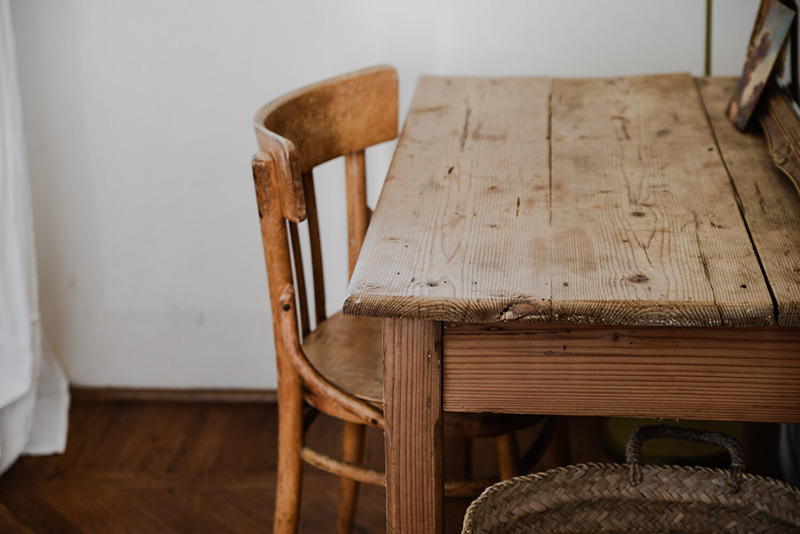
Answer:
(195, 467)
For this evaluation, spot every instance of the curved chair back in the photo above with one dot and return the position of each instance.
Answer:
(318, 123)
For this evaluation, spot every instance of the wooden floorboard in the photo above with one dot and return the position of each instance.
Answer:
(178, 467)
(9, 523)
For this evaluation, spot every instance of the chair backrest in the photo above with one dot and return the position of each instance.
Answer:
(323, 121)
(337, 117)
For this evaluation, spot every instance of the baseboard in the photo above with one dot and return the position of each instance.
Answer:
(92, 394)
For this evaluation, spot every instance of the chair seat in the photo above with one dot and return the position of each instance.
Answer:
(348, 351)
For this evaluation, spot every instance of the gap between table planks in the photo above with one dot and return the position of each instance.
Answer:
(769, 203)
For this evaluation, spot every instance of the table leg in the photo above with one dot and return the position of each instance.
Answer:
(412, 359)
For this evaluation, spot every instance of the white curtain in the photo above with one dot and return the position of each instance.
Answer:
(34, 398)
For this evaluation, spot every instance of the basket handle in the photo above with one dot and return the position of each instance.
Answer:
(644, 433)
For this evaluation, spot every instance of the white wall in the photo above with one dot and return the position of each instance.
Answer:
(138, 122)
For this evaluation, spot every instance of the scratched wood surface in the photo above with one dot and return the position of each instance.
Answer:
(646, 229)
(637, 225)
(769, 201)
(461, 226)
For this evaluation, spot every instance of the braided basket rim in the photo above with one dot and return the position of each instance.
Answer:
(593, 470)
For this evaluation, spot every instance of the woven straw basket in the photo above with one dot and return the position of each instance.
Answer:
(633, 498)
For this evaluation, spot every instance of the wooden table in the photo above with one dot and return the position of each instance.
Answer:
(576, 247)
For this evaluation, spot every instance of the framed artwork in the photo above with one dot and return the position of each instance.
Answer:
(769, 36)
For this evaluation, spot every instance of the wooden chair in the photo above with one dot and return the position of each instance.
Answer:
(336, 368)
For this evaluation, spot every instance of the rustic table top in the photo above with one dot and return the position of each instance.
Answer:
(628, 201)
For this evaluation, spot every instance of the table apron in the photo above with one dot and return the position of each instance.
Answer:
(741, 374)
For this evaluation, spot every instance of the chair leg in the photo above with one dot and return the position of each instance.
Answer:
(290, 465)
(508, 456)
(352, 452)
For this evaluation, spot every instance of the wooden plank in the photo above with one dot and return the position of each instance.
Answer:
(741, 374)
(414, 430)
(646, 230)
(461, 228)
(8, 523)
(770, 204)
